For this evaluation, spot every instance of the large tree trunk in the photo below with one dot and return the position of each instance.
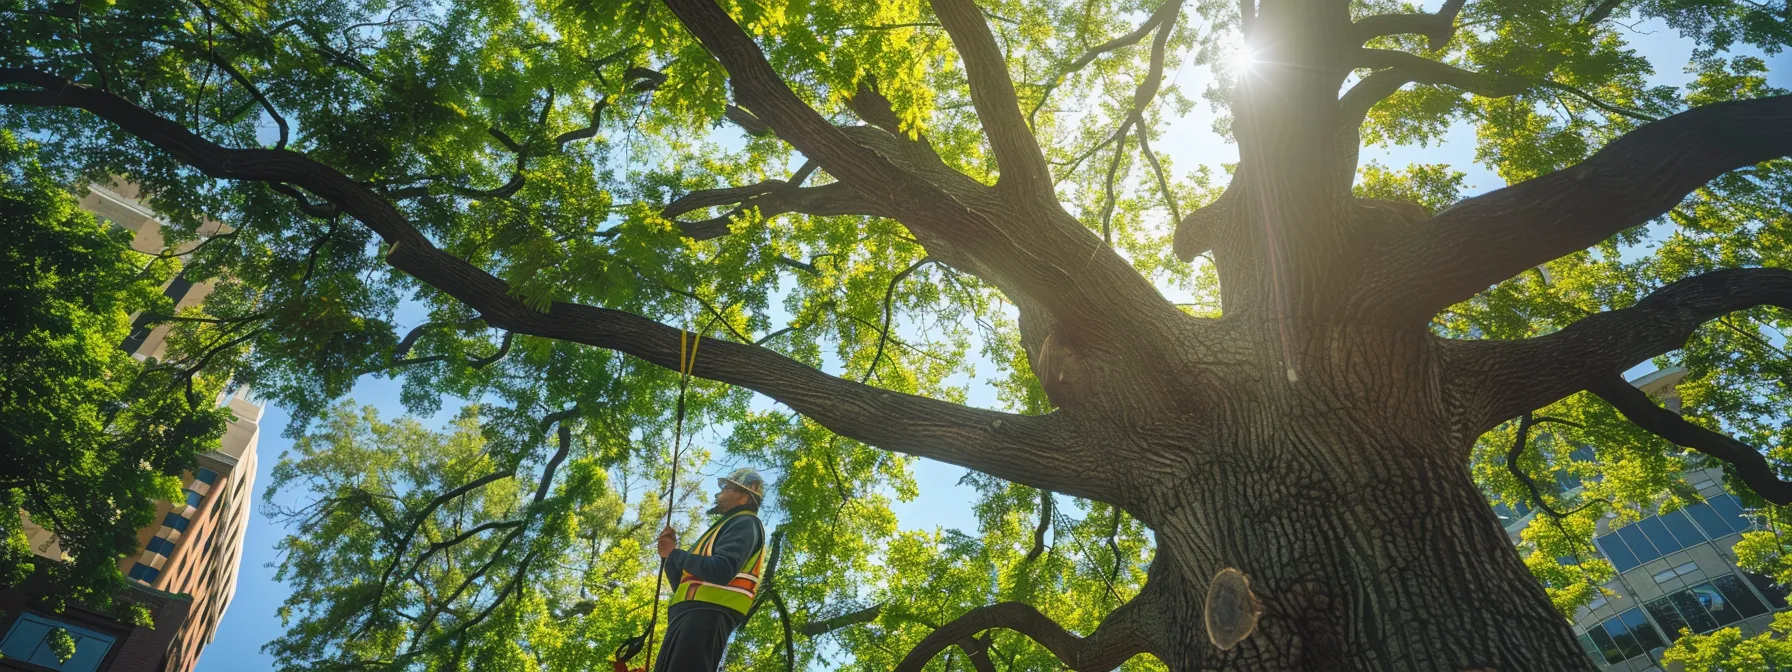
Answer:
(1346, 499)
(1399, 566)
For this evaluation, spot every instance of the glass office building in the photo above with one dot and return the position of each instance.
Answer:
(1676, 569)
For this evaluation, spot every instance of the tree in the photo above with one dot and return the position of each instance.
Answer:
(93, 437)
(1727, 649)
(1298, 442)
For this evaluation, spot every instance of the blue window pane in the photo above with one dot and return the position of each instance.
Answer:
(1626, 642)
(1607, 647)
(1646, 636)
(25, 642)
(1668, 617)
(160, 546)
(1708, 520)
(1658, 533)
(1638, 543)
(206, 476)
(1696, 617)
(194, 498)
(1615, 550)
(142, 572)
(176, 521)
(1739, 596)
(1731, 511)
(1682, 527)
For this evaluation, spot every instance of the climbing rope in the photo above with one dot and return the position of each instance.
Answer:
(687, 361)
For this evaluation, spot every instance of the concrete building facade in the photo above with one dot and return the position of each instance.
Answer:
(186, 570)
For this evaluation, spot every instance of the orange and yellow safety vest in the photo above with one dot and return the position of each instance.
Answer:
(738, 593)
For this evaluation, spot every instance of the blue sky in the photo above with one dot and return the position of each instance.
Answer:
(252, 621)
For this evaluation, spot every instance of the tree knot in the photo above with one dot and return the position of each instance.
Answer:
(1232, 609)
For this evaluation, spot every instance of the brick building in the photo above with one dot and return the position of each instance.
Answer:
(186, 570)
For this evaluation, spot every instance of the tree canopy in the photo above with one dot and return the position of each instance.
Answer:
(93, 437)
(857, 204)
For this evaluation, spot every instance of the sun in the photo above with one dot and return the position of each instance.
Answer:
(1239, 56)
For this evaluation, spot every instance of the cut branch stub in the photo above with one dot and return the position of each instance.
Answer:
(1231, 609)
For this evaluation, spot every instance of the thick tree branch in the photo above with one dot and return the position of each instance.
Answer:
(1050, 451)
(1117, 640)
(1750, 464)
(1489, 238)
(759, 87)
(1017, 152)
(1600, 12)
(1037, 250)
(1509, 378)
(1437, 28)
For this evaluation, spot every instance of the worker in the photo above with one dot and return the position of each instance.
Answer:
(714, 582)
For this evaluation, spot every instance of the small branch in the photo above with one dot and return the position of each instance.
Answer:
(851, 618)
(503, 349)
(1045, 525)
(1513, 467)
(883, 335)
(243, 80)
(1751, 466)
(1164, 12)
(1596, 102)
(597, 113)
(1163, 182)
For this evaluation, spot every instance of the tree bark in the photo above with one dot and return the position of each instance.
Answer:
(1367, 551)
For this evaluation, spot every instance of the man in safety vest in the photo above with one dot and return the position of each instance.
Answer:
(715, 581)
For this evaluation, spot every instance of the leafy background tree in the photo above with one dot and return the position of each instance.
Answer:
(93, 437)
(596, 153)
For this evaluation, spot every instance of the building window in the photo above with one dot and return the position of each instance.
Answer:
(144, 573)
(1776, 595)
(1625, 636)
(206, 476)
(1658, 534)
(160, 546)
(26, 641)
(176, 521)
(1719, 516)
(1674, 572)
(1682, 527)
(194, 498)
(1630, 546)
(1615, 550)
(1708, 606)
(1731, 510)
